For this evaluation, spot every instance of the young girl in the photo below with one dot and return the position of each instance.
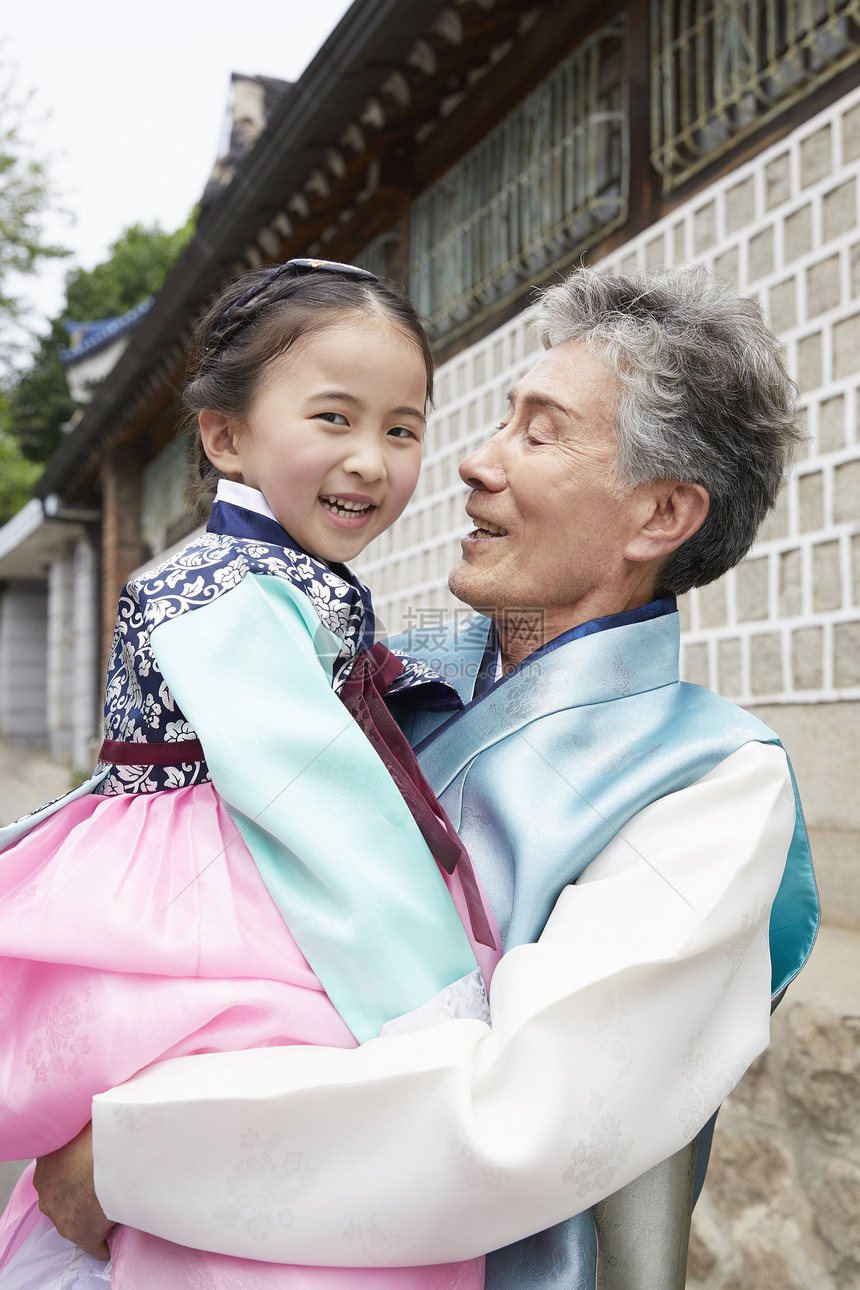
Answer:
(253, 861)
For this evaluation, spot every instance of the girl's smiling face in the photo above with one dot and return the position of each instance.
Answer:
(333, 436)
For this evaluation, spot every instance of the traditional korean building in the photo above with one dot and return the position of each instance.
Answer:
(474, 150)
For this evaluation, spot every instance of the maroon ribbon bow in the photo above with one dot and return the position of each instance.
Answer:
(372, 673)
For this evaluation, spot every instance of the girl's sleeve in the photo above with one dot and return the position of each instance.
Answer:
(334, 841)
(614, 1039)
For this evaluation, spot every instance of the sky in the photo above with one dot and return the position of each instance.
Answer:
(128, 104)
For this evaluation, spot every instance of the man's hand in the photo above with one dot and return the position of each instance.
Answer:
(67, 1195)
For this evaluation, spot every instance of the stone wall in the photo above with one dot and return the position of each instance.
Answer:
(782, 1198)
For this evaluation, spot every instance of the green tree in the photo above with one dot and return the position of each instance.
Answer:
(140, 260)
(25, 196)
(17, 474)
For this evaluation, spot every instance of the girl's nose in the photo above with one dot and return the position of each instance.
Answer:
(366, 458)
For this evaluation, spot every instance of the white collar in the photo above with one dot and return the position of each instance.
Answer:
(250, 499)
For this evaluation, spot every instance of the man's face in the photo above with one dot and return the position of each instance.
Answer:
(550, 528)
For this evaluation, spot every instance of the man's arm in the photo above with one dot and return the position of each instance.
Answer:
(614, 1039)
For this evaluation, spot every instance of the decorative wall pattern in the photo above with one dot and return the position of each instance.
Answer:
(784, 627)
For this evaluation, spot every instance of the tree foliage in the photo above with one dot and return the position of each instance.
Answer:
(139, 261)
(24, 197)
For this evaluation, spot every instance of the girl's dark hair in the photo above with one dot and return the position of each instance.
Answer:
(226, 364)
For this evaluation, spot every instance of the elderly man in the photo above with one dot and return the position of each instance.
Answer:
(638, 839)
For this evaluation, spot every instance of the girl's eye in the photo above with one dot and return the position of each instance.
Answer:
(333, 418)
(402, 432)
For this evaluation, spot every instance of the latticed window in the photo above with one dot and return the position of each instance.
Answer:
(376, 256)
(722, 68)
(549, 181)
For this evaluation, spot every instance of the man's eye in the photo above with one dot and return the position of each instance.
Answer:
(333, 418)
(402, 432)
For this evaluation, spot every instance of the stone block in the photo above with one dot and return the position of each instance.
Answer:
(797, 234)
(782, 305)
(807, 659)
(846, 655)
(816, 156)
(655, 252)
(846, 347)
(704, 227)
(836, 853)
(727, 265)
(630, 263)
(712, 604)
(772, 1255)
(854, 270)
(760, 262)
(809, 363)
(821, 1071)
(775, 523)
(740, 205)
(757, 1093)
(831, 424)
(823, 741)
(846, 492)
(751, 581)
(684, 612)
(766, 663)
(837, 1220)
(851, 134)
(810, 493)
(822, 286)
(679, 242)
(790, 584)
(826, 577)
(777, 181)
(746, 1170)
(695, 664)
(839, 210)
(804, 448)
(855, 569)
(729, 675)
(498, 360)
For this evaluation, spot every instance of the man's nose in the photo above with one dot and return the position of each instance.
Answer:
(483, 468)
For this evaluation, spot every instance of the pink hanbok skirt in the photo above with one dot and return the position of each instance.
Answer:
(134, 929)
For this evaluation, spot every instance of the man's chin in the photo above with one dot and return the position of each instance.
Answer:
(466, 585)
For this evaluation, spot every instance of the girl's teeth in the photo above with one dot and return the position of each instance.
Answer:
(340, 504)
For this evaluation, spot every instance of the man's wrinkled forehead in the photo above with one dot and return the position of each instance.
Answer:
(569, 381)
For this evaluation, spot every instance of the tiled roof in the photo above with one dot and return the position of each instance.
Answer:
(95, 335)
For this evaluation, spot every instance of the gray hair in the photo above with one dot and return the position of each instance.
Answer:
(705, 398)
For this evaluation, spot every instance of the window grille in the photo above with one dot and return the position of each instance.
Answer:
(549, 181)
(720, 69)
(376, 256)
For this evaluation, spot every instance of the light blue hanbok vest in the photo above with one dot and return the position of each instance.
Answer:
(538, 773)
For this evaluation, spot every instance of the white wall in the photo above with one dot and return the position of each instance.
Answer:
(23, 661)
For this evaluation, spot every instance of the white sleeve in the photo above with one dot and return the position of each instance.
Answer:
(614, 1039)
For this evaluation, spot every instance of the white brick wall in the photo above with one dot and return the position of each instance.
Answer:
(785, 626)
(23, 658)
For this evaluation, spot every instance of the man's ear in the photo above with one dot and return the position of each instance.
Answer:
(675, 512)
(218, 434)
